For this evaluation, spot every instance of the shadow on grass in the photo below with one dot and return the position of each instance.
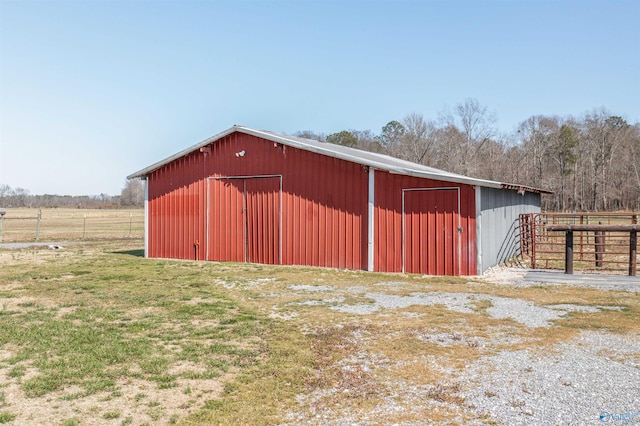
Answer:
(136, 253)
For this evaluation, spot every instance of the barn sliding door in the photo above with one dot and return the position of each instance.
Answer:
(262, 220)
(244, 218)
(431, 231)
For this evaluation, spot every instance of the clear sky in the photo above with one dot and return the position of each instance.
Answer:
(91, 91)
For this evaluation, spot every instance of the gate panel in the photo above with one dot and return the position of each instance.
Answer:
(430, 231)
(263, 220)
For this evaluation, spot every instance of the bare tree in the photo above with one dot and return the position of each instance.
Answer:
(5, 190)
(133, 193)
(413, 140)
(308, 134)
(476, 126)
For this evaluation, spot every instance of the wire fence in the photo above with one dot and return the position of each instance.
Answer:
(25, 225)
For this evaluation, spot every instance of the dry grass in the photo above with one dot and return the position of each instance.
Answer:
(65, 224)
(221, 343)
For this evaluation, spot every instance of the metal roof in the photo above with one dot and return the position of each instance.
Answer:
(371, 159)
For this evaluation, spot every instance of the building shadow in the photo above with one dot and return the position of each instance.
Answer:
(135, 253)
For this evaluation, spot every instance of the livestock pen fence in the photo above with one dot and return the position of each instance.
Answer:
(53, 224)
(543, 240)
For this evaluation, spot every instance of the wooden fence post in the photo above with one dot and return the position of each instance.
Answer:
(568, 260)
(600, 247)
(633, 252)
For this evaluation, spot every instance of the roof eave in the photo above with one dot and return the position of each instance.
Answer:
(445, 176)
(525, 188)
(148, 170)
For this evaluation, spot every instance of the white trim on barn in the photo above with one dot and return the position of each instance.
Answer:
(370, 223)
(479, 229)
(146, 216)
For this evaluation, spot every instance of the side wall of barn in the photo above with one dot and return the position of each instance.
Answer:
(498, 231)
(176, 209)
(323, 203)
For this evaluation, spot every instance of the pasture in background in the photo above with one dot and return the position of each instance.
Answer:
(66, 224)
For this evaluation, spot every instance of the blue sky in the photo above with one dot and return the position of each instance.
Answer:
(91, 91)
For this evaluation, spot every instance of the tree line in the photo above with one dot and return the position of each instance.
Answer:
(590, 162)
(132, 195)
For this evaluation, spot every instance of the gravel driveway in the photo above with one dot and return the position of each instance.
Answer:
(592, 378)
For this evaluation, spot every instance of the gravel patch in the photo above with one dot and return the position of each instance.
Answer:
(311, 288)
(523, 311)
(499, 336)
(319, 302)
(576, 308)
(571, 384)
(520, 277)
(392, 283)
(590, 379)
(356, 289)
(454, 301)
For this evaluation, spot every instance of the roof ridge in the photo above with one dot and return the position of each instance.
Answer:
(367, 158)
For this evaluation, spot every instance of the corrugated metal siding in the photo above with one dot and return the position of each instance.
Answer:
(226, 220)
(244, 220)
(263, 220)
(431, 245)
(324, 205)
(499, 210)
(177, 209)
(430, 231)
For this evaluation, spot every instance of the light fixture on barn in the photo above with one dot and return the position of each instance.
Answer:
(240, 153)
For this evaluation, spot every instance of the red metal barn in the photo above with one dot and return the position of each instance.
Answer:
(248, 195)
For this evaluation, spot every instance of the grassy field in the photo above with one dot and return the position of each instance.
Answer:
(66, 224)
(96, 334)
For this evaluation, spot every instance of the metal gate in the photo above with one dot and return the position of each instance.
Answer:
(244, 219)
(431, 231)
(594, 251)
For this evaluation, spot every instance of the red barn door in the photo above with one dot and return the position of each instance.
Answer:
(262, 220)
(430, 227)
(244, 219)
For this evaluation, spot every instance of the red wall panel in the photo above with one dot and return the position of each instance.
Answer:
(175, 209)
(428, 220)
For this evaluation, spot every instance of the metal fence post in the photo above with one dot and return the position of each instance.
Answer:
(534, 237)
(38, 224)
(2, 213)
